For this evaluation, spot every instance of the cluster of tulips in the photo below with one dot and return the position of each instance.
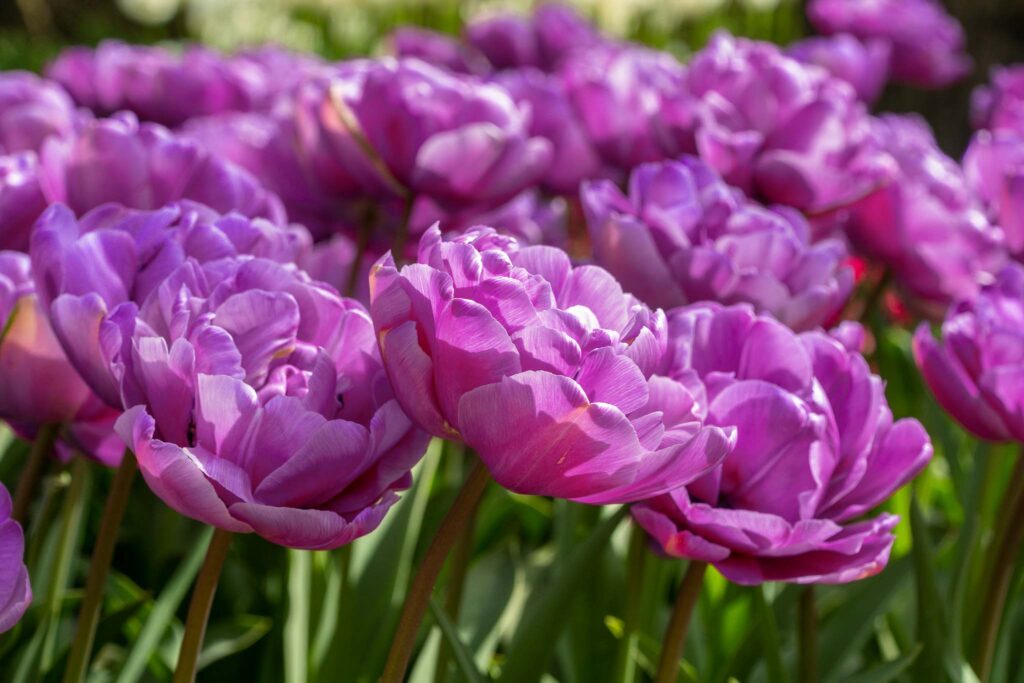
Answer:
(266, 281)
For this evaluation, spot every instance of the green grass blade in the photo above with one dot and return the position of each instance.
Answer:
(164, 608)
(463, 657)
(538, 633)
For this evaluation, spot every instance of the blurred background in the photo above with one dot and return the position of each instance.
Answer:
(32, 31)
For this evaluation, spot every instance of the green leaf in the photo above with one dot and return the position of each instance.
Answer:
(769, 628)
(931, 614)
(846, 630)
(886, 672)
(549, 610)
(162, 614)
(231, 636)
(296, 627)
(379, 573)
(463, 657)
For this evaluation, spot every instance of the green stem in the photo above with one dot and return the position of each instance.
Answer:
(296, 627)
(1006, 548)
(362, 241)
(28, 482)
(199, 608)
(635, 563)
(807, 638)
(461, 556)
(418, 598)
(675, 635)
(99, 569)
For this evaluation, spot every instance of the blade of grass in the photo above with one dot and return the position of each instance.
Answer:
(145, 644)
(463, 657)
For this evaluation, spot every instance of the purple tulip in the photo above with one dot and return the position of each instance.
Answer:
(546, 370)
(542, 41)
(1000, 105)
(977, 371)
(170, 88)
(682, 236)
(927, 43)
(260, 404)
(31, 110)
(864, 65)
(21, 199)
(15, 589)
(632, 103)
(453, 139)
(145, 166)
(816, 449)
(994, 169)
(40, 386)
(782, 131)
(573, 156)
(95, 273)
(438, 49)
(926, 227)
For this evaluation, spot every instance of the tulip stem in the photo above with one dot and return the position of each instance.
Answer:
(366, 227)
(461, 556)
(199, 608)
(635, 562)
(99, 569)
(675, 635)
(28, 482)
(1006, 547)
(452, 527)
(807, 641)
(402, 236)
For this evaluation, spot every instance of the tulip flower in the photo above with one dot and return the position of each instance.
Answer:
(927, 43)
(170, 88)
(573, 157)
(816, 449)
(21, 199)
(864, 65)
(547, 371)
(260, 405)
(40, 386)
(31, 110)
(926, 226)
(542, 41)
(782, 131)
(97, 272)
(438, 49)
(994, 169)
(1000, 104)
(682, 236)
(976, 370)
(15, 589)
(145, 166)
(632, 103)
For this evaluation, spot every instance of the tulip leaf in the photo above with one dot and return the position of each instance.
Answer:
(463, 657)
(846, 630)
(931, 614)
(231, 636)
(769, 628)
(380, 566)
(887, 672)
(145, 644)
(549, 609)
